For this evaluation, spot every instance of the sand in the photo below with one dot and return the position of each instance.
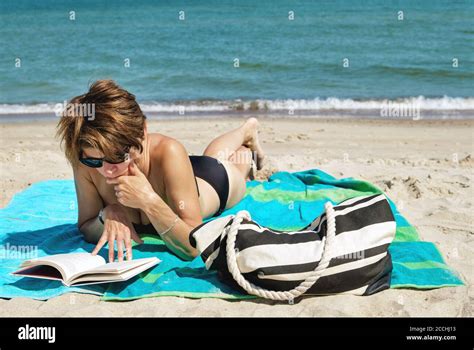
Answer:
(426, 167)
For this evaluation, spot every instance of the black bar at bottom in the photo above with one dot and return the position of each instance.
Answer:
(16, 333)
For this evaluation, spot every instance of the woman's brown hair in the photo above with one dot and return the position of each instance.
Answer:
(106, 118)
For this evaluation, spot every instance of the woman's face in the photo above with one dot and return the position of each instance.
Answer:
(108, 170)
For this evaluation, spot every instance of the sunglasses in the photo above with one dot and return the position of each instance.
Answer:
(92, 162)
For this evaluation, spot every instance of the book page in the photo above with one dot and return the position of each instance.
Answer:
(68, 264)
(104, 277)
(119, 267)
(41, 271)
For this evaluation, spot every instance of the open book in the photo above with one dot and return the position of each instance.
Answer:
(77, 269)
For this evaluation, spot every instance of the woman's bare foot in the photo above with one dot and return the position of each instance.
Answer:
(251, 140)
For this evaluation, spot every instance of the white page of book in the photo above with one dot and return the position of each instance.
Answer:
(115, 277)
(119, 267)
(72, 263)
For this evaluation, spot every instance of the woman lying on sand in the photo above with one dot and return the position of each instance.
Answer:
(128, 180)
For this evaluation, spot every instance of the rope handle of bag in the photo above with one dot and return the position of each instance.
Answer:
(280, 295)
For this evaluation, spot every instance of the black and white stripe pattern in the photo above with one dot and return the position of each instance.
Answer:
(278, 260)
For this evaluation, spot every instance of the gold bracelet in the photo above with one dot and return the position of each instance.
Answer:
(174, 223)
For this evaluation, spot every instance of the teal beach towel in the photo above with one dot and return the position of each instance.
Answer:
(41, 221)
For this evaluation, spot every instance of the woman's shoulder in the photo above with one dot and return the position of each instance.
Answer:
(162, 147)
(166, 156)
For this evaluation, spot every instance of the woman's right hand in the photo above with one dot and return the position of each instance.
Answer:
(117, 227)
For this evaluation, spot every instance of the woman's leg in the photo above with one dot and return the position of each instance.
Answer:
(242, 160)
(234, 150)
(237, 146)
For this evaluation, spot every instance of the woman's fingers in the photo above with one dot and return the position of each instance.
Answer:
(111, 249)
(135, 236)
(123, 233)
(100, 244)
(128, 246)
(112, 181)
(120, 249)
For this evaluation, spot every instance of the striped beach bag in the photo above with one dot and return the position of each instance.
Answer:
(344, 250)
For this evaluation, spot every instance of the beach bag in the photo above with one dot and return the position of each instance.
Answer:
(344, 250)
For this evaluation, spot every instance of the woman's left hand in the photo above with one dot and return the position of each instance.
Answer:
(134, 190)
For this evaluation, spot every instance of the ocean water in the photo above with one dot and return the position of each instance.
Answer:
(333, 57)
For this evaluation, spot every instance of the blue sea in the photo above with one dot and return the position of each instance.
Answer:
(215, 57)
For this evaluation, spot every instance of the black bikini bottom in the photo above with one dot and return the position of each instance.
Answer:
(214, 173)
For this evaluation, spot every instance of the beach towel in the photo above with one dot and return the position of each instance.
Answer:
(41, 220)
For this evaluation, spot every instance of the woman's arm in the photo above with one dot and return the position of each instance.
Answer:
(177, 238)
(183, 199)
(116, 227)
(89, 205)
(183, 211)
